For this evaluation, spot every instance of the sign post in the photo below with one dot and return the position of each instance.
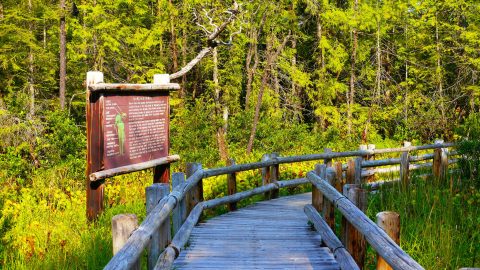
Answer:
(127, 130)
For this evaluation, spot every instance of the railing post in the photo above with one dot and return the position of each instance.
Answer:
(404, 167)
(179, 213)
(390, 223)
(371, 178)
(328, 161)
(196, 193)
(338, 176)
(123, 226)
(440, 163)
(162, 237)
(274, 176)
(354, 241)
(350, 173)
(328, 207)
(317, 196)
(358, 166)
(270, 174)
(231, 185)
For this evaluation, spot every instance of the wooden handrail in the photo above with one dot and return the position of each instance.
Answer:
(328, 236)
(312, 157)
(133, 248)
(166, 259)
(374, 235)
(133, 87)
(100, 175)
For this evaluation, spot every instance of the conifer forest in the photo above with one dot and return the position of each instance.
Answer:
(285, 76)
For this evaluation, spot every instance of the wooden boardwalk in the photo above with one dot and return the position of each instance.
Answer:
(267, 235)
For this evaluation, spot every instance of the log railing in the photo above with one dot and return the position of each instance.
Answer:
(189, 196)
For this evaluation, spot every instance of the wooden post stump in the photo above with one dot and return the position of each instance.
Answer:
(328, 161)
(371, 178)
(123, 226)
(274, 174)
(390, 223)
(179, 214)
(328, 207)
(162, 237)
(232, 185)
(440, 163)
(350, 174)
(196, 193)
(405, 167)
(317, 196)
(358, 166)
(266, 175)
(339, 176)
(354, 241)
(94, 190)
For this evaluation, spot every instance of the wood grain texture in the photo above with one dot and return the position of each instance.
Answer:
(271, 234)
(161, 238)
(342, 256)
(96, 176)
(231, 185)
(390, 223)
(103, 87)
(374, 235)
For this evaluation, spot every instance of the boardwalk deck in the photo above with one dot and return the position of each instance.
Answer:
(267, 235)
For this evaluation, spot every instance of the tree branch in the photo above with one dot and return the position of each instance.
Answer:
(211, 42)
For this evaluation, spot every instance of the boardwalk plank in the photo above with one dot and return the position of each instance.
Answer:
(267, 235)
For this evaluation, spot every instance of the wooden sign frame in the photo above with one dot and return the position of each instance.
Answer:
(127, 130)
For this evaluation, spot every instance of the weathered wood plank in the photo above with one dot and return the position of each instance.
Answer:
(328, 236)
(244, 239)
(322, 156)
(375, 236)
(133, 248)
(123, 226)
(133, 87)
(96, 176)
(161, 238)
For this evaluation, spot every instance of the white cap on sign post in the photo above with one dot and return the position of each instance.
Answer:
(161, 79)
(94, 77)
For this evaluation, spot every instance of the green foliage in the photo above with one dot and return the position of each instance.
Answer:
(469, 148)
(440, 225)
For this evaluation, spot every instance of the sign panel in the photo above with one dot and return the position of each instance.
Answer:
(135, 128)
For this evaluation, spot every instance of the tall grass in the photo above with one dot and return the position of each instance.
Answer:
(440, 222)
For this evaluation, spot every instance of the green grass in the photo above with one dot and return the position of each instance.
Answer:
(440, 222)
(43, 226)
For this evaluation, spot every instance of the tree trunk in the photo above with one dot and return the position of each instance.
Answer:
(31, 80)
(439, 71)
(173, 41)
(221, 140)
(351, 93)
(405, 99)
(63, 56)
(321, 65)
(252, 52)
(296, 102)
(378, 77)
(184, 60)
(271, 59)
(260, 98)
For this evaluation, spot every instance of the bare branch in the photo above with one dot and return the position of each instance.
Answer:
(191, 64)
(211, 42)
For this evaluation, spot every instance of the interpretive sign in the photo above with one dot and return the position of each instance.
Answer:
(127, 131)
(135, 128)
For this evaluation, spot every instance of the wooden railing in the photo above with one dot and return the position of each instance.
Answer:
(186, 201)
